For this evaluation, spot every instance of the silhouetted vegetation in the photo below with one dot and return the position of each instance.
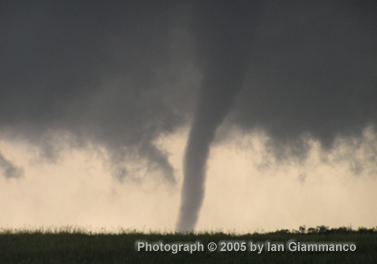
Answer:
(72, 245)
(326, 230)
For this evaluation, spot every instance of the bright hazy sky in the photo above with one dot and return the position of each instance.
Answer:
(242, 194)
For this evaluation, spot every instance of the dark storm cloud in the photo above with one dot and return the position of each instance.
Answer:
(114, 74)
(313, 72)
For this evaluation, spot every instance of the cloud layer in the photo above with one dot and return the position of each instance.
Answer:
(120, 75)
(313, 71)
(110, 75)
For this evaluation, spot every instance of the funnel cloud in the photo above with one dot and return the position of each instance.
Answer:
(307, 71)
(223, 37)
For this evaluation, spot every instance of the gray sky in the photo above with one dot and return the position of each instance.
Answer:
(114, 80)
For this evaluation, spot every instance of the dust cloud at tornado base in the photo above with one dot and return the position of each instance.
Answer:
(111, 77)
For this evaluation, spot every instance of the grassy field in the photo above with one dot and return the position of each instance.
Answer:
(79, 246)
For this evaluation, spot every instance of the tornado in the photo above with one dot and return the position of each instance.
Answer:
(223, 35)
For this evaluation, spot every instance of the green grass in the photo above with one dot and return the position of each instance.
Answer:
(78, 246)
